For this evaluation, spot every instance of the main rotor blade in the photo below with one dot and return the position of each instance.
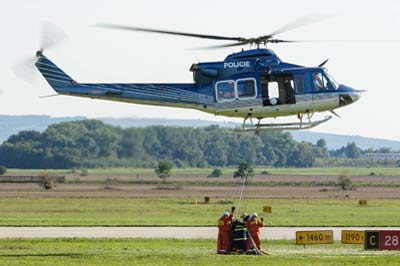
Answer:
(299, 22)
(349, 41)
(223, 45)
(249, 41)
(204, 36)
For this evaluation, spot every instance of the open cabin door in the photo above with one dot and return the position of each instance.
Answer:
(278, 90)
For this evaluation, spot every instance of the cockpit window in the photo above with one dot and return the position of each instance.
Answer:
(334, 83)
(320, 82)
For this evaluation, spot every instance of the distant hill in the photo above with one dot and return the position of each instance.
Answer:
(10, 125)
(335, 141)
(13, 124)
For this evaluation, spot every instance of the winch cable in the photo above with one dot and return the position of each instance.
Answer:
(256, 250)
(241, 195)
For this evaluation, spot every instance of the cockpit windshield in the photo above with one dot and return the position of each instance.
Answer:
(334, 83)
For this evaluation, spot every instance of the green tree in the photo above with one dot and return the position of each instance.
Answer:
(321, 150)
(352, 151)
(302, 155)
(163, 170)
(244, 171)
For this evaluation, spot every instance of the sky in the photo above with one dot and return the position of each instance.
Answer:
(99, 55)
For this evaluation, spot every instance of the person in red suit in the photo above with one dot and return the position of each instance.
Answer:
(224, 232)
(253, 226)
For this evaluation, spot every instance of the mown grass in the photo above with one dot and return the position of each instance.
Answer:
(179, 252)
(207, 171)
(183, 212)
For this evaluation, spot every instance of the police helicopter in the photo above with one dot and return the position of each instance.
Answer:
(250, 84)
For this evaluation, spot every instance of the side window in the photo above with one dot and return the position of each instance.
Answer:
(225, 90)
(299, 84)
(246, 88)
(320, 82)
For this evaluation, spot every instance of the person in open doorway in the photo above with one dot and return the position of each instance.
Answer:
(224, 232)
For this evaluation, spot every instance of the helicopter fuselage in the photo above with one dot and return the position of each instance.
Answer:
(253, 83)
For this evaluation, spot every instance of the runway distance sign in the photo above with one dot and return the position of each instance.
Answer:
(352, 237)
(314, 237)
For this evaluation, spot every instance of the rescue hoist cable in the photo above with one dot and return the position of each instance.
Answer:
(257, 251)
(241, 195)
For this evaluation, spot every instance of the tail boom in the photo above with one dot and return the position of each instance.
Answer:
(174, 95)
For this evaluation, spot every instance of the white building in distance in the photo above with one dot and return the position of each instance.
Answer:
(382, 156)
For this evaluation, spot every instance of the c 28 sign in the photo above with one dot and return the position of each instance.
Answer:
(390, 240)
(382, 240)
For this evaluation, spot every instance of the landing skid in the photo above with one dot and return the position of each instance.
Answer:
(280, 126)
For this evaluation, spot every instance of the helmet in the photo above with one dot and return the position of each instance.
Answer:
(254, 215)
(226, 213)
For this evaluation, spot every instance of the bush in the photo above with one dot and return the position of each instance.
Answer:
(84, 172)
(3, 170)
(265, 172)
(163, 170)
(345, 181)
(47, 182)
(216, 173)
(73, 170)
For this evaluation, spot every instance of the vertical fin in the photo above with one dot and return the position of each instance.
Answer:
(52, 73)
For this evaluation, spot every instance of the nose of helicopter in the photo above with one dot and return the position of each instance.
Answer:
(348, 95)
(355, 95)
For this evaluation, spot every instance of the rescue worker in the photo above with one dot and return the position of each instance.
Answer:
(224, 232)
(239, 236)
(253, 225)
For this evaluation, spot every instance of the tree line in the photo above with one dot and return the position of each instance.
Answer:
(91, 143)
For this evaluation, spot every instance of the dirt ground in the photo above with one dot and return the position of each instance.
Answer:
(228, 178)
(126, 186)
(140, 191)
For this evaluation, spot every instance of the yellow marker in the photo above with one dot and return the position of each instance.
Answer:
(352, 237)
(314, 237)
(362, 202)
(267, 209)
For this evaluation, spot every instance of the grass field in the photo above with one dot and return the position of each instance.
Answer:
(207, 171)
(182, 212)
(179, 252)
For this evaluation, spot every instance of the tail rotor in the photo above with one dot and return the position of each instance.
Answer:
(51, 36)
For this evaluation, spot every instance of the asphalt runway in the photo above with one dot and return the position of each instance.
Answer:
(271, 233)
